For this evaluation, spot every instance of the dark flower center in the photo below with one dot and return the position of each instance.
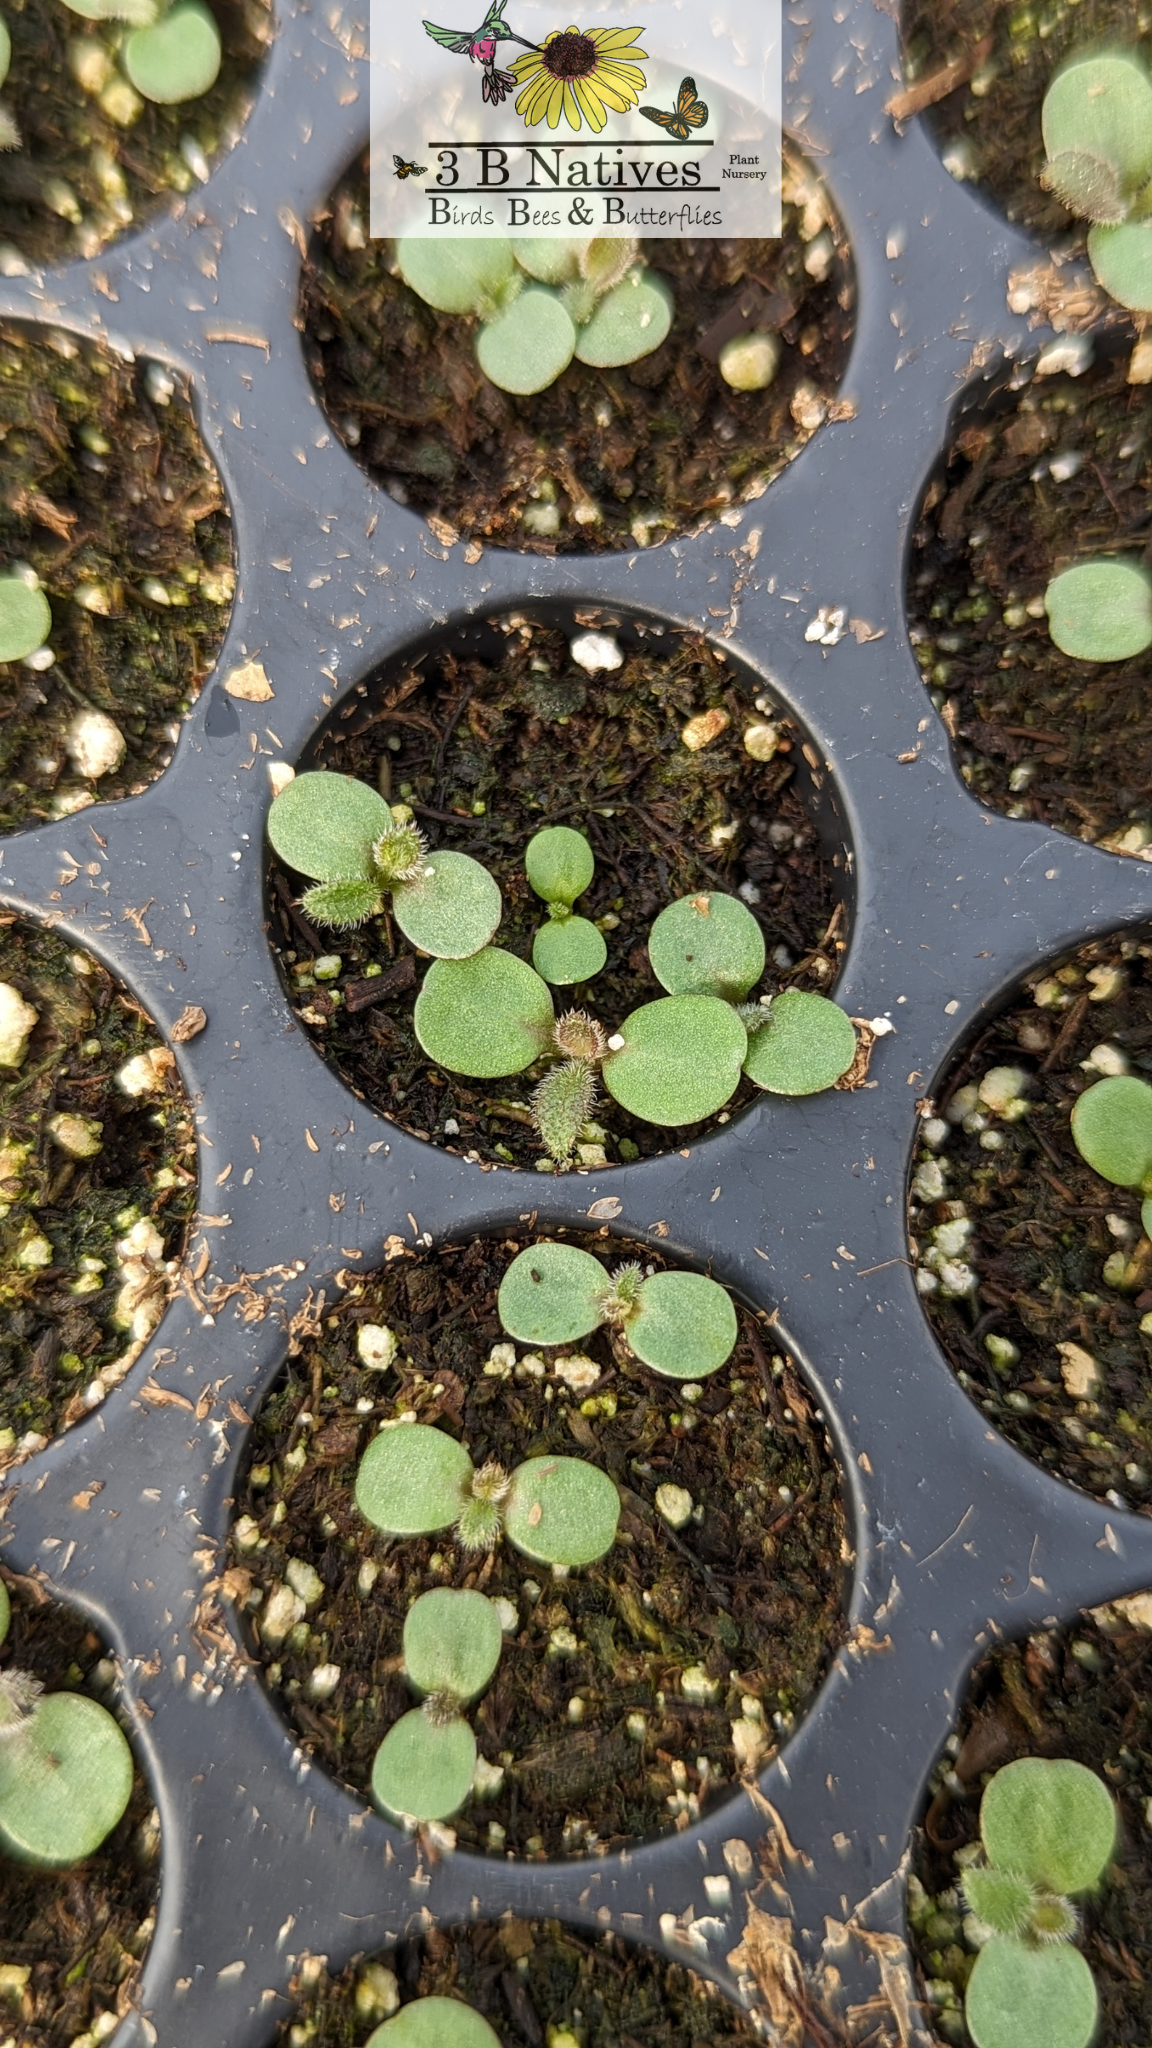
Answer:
(570, 56)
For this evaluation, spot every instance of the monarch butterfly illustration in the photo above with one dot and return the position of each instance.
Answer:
(404, 170)
(691, 112)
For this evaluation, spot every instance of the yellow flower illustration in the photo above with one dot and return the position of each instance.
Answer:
(579, 73)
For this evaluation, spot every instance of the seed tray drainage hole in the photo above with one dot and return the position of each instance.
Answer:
(1036, 1271)
(97, 1183)
(1047, 475)
(626, 1694)
(684, 778)
(72, 1940)
(1079, 1693)
(602, 458)
(116, 577)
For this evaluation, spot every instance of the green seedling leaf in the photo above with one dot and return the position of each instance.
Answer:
(559, 864)
(1087, 185)
(435, 2023)
(5, 1611)
(413, 1479)
(178, 58)
(805, 1044)
(65, 1780)
(684, 1326)
(1102, 105)
(526, 348)
(138, 13)
(1112, 1129)
(567, 952)
(25, 619)
(561, 1511)
(1101, 610)
(551, 262)
(1001, 1898)
(680, 1060)
(630, 321)
(325, 825)
(486, 1016)
(423, 1768)
(5, 50)
(1052, 1822)
(342, 904)
(458, 276)
(606, 259)
(561, 1105)
(1021, 1997)
(452, 910)
(1146, 1216)
(1122, 260)
(550, 1294)
(707, 945)
(452, 1643)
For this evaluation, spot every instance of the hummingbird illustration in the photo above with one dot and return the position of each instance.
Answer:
(479, 45)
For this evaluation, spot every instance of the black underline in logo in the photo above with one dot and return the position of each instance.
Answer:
(640, 142)
(558, 192)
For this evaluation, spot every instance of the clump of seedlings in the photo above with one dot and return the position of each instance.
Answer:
(1101, 610)
(683, 1325)
(1097, 122)
(65, 1769)
(541, 301)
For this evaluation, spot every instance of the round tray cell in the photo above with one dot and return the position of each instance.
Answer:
(1045, 472)
(1080, 1693)
(491, 736)
(617, 458)
(531, 1980)
(112, 513)
(73, 1941)
(91, 158)
(629, 1693)
(1035, 1272)
(97, 1183)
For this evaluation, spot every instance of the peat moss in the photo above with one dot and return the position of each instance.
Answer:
(750, 1591)
(488, 752)
(1038, 734)
(1058, 1252)
(995, 115)
(1083, 1692)
(61, 1343)
(80, 1934)
(81, 178)
(528, 1978)
(602, 458)
(107, 492)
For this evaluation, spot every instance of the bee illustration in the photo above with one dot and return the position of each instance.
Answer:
(691, 112)
(404, 170)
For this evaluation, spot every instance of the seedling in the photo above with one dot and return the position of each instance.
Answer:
(173, 53)
(1112, 1129)
(1048, 1831)
(341, 833)
(1101, 610)
(435, 2023)
(683, 1325)
(65, 1770)
(424, 1767)
(1098, 136)
(560, 865)
(414, 1480)
(25, 619)
(541, 302)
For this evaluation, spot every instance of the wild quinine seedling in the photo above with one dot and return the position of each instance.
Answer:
(560, 865)
(1048, 1831)
(172, 53)
(1097, 122)
(424, 1767)
(65, 1770)
(1101, 610)
(540, 302)
(414, 1480)
(1112, 1130)
(340, 832)
(435, 2023)
(683, 1325)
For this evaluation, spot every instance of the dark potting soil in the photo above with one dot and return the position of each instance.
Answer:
(1083, 1692)
(65, 1333)
(487, 755)
(749, 1592)
(1009, 53)
(1058, 1252)
(82, 173)
(1060, 470)
(602, 458)
(79, 1935)
(107, 492)
(532, 1980)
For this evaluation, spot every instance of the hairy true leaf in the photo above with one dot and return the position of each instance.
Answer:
(423, 1768)
(324, 825)
(550, 261)
(805, 1044)
(342, 904)
(178, 58)
(568, 951)
(680, 1060)
(434, 2023)
(1021, 1997)
(630, 321)
(559, 863)
(1102, 104)
(413, 1479)
(684, 1325)
(1052, 1821)
(452, 1642)
(25, 619)
(1001, 1898)
(452, 910)
(1101, 610)
(561, 1104)
(526, 348)
(486, 1016)
(65, 1780)
(1112, 1129)
(550, 1294)
(458, 275)
(1122, 260)
(707, 945)
(561, 1511)
(1087, 185)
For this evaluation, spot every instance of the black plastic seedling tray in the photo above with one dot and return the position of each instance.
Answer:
(799, 1206)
